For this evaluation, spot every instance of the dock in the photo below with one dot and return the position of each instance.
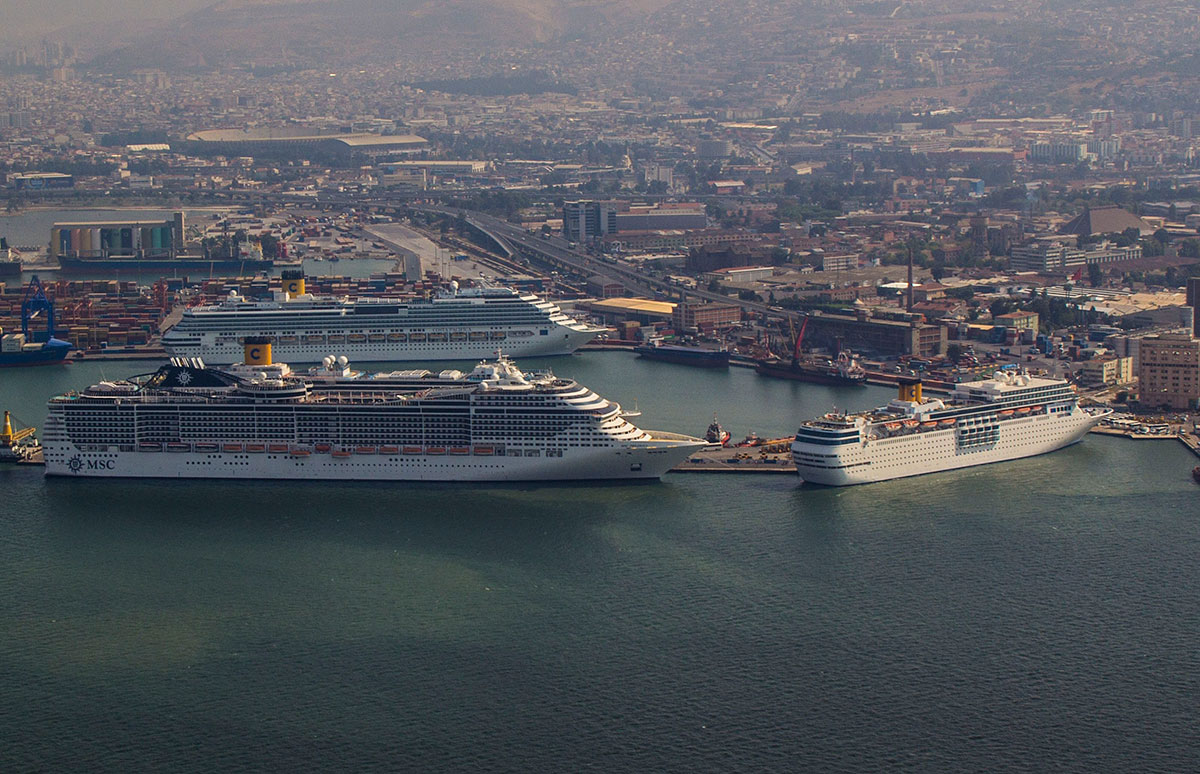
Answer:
(736, 459)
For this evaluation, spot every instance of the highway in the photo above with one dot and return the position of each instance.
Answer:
(555, 250)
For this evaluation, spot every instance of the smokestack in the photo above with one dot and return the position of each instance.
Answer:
(910, 280)
(1193, 300)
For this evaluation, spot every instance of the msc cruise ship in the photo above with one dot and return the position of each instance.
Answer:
(456, 325)
(261, 420)
(1009, 416)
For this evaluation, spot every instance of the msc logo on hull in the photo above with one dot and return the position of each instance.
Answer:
(78, 464)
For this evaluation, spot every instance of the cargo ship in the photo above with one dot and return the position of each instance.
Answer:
(259, 420)
(23, 349)
(144, 264)
(701, 357)
(10, 260)
(1008, 417)
(452, 325)
(844, 370)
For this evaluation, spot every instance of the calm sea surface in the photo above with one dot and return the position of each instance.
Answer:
(1040, 615)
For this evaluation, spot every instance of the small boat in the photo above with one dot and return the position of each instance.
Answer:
(460, 450)
(484, 451)
(499, 335)
(300, 452)
(342, 453)
(150, 447)
(364, 449)
(929, 424)
(1006, 413)
(232, 448)
(458, 336)
(892, 425)
(179, 447)
(1036, 409)
(412, 449)
(256, 448)
(321, 448)
(336, 338)
(478, 335)
(435, 450)
(1023, 410)
(948, 422)
(207, 447)
(1196, 474)
(395, 337)
(717, 434)
(437, 337)
(376, 338)
(278, 448)
(389, 449)
(314, 339)
(356, 338)
(289, 339)
(417, 337)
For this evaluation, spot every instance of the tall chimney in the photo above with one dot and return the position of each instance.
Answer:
(910, 280)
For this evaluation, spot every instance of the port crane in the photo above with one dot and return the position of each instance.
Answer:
(33, 304)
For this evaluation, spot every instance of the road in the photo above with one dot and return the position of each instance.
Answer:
(556, 250)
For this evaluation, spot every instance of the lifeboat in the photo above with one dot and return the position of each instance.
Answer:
(377, 338)
(395, 337)
(364, 449)
(300, 452)
(278, 448)
(1037, 409)
(484, 451)
(499, 335)
(1023, 410)
(389, 449)
(458, 336)
(478, 335)
(437, 337)
(892, 425)
(342, 454)
(256, 447)
(1006, 413)
(412, 449)
(150, 447)
(289, 339)
(207, 447)
(948, 422)
(417, 337)
(321, 448)
(314, 339)
(460, 450)
(179, 447)
(435, 449)
(336, 338)
(232, 448)
(928, 425)
(356, 338)
(910, 423)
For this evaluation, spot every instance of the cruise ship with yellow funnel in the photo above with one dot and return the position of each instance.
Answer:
(456, 324)
(262, 420)
(1010, 416)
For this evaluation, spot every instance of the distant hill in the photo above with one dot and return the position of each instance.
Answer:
(306, 32)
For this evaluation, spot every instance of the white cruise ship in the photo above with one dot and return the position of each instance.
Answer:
(464, 324)
(1010, 416)
(261, 420)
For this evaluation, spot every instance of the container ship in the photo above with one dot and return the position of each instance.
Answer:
(28, 348)
(453, 325)
(261, 420)
(1010, 416)
(701, 357)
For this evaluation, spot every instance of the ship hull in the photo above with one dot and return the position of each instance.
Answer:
(644, 460)
(51, 356)
(558, 341)
(808, 374)
(698, 358)
(937, 450)
(72, 265)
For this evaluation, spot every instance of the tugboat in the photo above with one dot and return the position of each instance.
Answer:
(17, 445)
(716, 434)
(25, 348)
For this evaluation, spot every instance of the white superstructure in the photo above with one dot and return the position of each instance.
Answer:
(456, 325)
(263, 421)
(1009, 416)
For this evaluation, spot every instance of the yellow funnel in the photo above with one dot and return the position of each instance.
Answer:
(293, 283)
(911, 391)
(258, 350)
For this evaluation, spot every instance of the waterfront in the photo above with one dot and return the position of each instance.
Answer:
(1034, 615)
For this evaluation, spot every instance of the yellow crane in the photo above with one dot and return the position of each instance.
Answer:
(9, 437)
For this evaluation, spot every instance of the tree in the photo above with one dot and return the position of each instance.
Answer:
(1001, 306)
(954, 352)
(965, 293)
(1095, 275)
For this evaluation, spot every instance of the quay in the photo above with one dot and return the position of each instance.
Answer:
(736, 459)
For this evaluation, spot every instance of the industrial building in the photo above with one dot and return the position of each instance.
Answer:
(96, 239)
(860, 331)
(300, 143)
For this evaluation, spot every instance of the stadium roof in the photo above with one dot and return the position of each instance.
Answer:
(1105, 220)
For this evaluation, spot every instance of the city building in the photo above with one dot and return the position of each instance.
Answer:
(1106, 370)
(902, 335)
(705, 316)
(586, 220)
(1169, 372)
